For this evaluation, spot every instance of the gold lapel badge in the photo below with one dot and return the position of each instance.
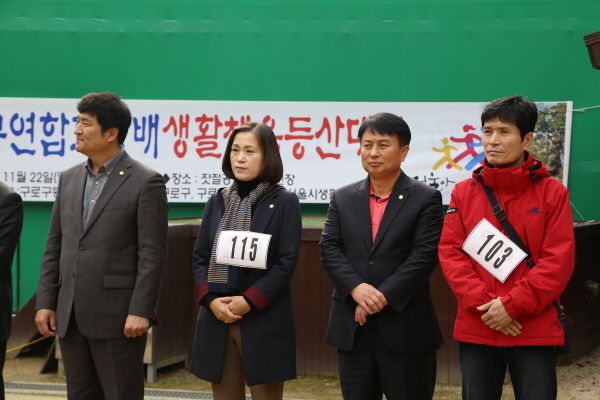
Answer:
(121, 173)
(271, 206)
(401, 197)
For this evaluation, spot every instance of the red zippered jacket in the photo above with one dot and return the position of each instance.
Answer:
(538, 208)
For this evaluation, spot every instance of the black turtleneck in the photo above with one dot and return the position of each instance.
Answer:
(245, 187)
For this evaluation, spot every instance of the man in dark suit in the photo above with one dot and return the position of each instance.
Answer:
(11, 222)
(379, 247)
(104, 258)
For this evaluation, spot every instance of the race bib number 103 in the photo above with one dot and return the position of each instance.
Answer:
(243, 249)
(493, 250)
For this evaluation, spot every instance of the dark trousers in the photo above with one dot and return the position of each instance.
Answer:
(531, 370)
(2, 358)
(371, 369)
(99, 369)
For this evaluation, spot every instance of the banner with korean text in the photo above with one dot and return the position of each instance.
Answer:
(185, 141)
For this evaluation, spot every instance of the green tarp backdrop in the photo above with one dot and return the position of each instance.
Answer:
(284, 50)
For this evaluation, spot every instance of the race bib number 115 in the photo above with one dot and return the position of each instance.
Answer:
(243, 249)
(493, 250)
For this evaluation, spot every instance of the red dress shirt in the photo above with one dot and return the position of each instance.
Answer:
(378, 205)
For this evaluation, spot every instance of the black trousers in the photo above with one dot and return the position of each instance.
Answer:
(372, 369)
(531, 370)
(99, 369)
(2, 358)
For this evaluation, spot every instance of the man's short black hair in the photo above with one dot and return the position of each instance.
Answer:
(514, 109)
(272, 168)
(109, 110)
(386, 123)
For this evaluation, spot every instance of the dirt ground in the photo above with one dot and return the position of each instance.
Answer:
(580, 381)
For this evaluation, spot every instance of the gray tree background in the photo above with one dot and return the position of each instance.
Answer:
(549, 137)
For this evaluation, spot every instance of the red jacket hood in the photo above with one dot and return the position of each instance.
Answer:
(510, 180)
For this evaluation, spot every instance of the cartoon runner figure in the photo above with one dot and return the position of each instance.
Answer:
(472, 140)
(447, 157)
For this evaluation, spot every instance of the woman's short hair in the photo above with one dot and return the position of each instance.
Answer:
(272, 169)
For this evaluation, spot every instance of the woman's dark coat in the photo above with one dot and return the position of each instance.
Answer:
(268, 330)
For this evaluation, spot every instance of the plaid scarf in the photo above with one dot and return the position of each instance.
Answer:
(224, 278)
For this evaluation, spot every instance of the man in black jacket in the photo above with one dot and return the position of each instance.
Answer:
(11, 222)
(379, 247)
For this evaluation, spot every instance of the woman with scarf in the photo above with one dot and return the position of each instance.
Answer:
(244, 259)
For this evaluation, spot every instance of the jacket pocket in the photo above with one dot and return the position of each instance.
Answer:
(336, 295)
(117, 206)
(119, 281)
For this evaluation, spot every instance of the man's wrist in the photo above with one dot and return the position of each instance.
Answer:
(509, 307)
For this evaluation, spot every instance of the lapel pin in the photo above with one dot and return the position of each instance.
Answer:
(401, 197)
(121, 173)
(271, 206)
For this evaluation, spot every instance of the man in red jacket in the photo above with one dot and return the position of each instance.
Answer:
(506, 317)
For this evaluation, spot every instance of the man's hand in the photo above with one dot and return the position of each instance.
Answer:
(220, 307)
(45, 320)
(513, 328)
(496, 316)
(238, 305)
(360, 315)
(369, 298)
(136, 325)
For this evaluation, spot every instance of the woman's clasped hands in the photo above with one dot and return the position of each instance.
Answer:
(229, 309)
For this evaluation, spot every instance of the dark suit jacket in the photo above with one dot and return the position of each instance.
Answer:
(11, 222)
(113, 267)
(398, 263)
(268, 330)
